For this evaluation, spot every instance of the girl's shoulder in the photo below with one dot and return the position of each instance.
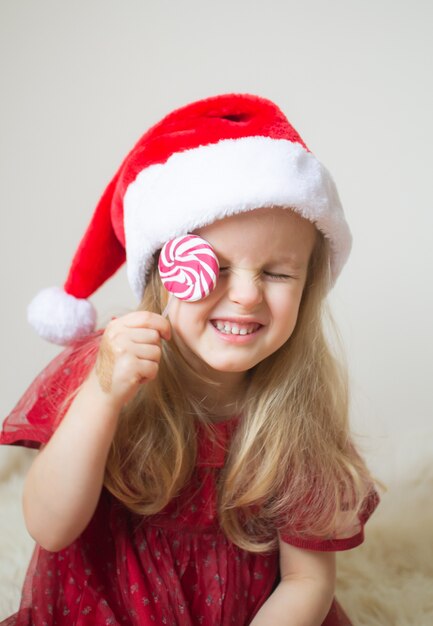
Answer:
(349, 529)
(40, 409)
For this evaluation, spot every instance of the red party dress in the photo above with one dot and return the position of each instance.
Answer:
(175, 568)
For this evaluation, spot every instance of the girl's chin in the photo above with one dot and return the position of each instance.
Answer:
(227, 367)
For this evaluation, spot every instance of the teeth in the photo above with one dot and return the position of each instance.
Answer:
(233, 329)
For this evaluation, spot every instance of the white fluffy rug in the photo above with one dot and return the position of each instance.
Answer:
(388, 581)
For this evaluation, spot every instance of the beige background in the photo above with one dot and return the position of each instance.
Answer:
(81, 81)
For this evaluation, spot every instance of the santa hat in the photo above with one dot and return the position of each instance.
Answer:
(213, 158)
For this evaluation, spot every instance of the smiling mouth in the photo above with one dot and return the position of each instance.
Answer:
(235, 328)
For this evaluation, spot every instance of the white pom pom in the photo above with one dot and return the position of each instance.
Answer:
(60, 317)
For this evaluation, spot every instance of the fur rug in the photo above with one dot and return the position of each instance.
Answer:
(388, 581)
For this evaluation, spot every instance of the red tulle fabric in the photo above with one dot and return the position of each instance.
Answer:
(175, 568)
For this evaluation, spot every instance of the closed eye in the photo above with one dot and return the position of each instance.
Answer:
(277, 276)
(271, 275)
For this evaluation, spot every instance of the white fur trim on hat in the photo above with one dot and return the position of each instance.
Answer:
(60, 317)
(196, 187)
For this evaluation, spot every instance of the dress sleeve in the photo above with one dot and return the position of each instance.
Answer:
(346, 536)
(41, 408)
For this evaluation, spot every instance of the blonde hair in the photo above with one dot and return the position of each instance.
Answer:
(291, 464)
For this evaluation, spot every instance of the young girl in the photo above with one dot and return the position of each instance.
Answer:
(197, 468)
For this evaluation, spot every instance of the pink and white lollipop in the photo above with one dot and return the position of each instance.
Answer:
(188, 267)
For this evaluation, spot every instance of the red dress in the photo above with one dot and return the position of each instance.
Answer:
(175, 568)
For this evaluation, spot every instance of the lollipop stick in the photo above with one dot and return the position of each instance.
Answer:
(167, 306)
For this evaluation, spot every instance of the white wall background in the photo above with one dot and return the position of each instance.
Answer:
(81, 81)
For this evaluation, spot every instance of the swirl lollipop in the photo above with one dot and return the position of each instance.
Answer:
(188, 268)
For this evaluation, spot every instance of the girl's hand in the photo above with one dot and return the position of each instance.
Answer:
(129, 353)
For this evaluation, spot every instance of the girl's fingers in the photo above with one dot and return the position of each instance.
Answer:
(147, 352)
(120, 336)
(144, 336)
(146, 319)
(122, 343)
(147, 370)
(130, 352)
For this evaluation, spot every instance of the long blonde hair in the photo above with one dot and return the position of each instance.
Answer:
(291, 463)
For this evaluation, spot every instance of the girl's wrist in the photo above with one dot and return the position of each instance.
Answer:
(105, 399)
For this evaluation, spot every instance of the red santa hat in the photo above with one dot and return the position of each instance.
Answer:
(210, 159)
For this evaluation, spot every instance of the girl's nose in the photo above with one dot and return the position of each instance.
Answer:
(245, 288)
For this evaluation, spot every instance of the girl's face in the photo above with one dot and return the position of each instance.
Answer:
(263, 256)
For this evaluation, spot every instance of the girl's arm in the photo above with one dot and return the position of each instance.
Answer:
(305, 593)
(64, 483)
